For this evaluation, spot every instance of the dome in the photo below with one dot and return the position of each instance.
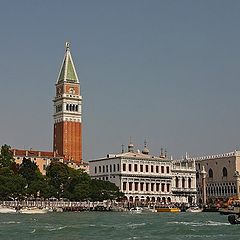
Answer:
(130, 147)
(145, 151)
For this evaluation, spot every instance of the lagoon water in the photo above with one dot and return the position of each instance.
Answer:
(117, 225)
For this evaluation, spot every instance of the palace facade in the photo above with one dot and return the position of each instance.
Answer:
(144, 177)
(222, 175)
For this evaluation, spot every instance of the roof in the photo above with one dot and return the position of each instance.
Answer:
(132, 155)
(67, 72)
(31, 153)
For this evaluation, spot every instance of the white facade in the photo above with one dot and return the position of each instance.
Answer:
(142, 177)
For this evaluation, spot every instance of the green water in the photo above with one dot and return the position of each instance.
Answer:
(113, 225)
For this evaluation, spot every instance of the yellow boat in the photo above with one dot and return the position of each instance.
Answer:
(168, 209)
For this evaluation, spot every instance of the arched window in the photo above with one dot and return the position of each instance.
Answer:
(224, 171)
(210, 173)
(76, 108)
(67, 107)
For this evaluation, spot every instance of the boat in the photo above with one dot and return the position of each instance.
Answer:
(234, 219)
(4, 209)
(136, 210)
(33, 210)
(168, 209)
(194, 209)
(148, 210)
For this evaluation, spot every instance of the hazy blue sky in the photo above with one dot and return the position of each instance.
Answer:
(167, 71)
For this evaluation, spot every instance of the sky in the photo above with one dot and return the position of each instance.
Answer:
(167, 72)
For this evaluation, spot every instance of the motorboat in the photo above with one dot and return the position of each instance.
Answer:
(148, 210)
(234, 219)
(4, 209)
(33, 210)
(168, 208)
(136, 210)
(194, 209)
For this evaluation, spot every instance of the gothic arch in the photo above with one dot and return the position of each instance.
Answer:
(210, 173)
(224, 172)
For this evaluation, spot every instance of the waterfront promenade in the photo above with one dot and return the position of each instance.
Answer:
(66, 205)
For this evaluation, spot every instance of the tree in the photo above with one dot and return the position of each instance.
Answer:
(12, 186)
(29, 170)
(6, 156)
(103, 190)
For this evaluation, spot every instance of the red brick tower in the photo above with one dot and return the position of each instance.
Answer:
(68, 112)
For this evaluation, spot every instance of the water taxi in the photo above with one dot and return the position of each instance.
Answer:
(168, 209)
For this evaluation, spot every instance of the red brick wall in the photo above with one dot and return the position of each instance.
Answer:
(68, 140)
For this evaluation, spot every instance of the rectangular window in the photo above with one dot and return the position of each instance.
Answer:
(135, 167)
(103, 168)
(99, 169)
(110, 168)
(152, 169)
(136, 186)
(167, 169)
(124, 186)
(124, 166)
(129, 167)
(163, 187)
(162, 169)
(130, 186)
(146, 168)
(95, 169)
(147, 186)
(141, 186)
(152, 187)
(106, 168)
(157, 187)
(141, 168)
(157, 169)
(114, 167)
(168, 187)
(118, 167)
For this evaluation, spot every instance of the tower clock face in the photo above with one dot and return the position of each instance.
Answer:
(71, 90)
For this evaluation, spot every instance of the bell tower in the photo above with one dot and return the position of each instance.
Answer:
(67, 136)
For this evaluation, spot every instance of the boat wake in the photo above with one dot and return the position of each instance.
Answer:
(10, 222)
(56, 228)
(199, 224)
(135, 225)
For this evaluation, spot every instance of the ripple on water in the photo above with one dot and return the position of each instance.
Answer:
(199, 224)
(10, 222)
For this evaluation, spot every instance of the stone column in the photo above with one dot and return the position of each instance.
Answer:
(237, 176)
(204, 192)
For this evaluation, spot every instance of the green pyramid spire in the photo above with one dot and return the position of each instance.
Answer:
(67, 71)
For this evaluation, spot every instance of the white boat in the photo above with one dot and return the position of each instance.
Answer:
(148, 209)
(33, 210)
(136, 210)
(4, 209)
(194, 209)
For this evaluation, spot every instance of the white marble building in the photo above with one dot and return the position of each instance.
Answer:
(143, 177)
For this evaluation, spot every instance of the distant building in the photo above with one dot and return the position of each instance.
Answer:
(222, 175)
(143, 177)
(67, 137)
(44, 158)
(41, 158)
